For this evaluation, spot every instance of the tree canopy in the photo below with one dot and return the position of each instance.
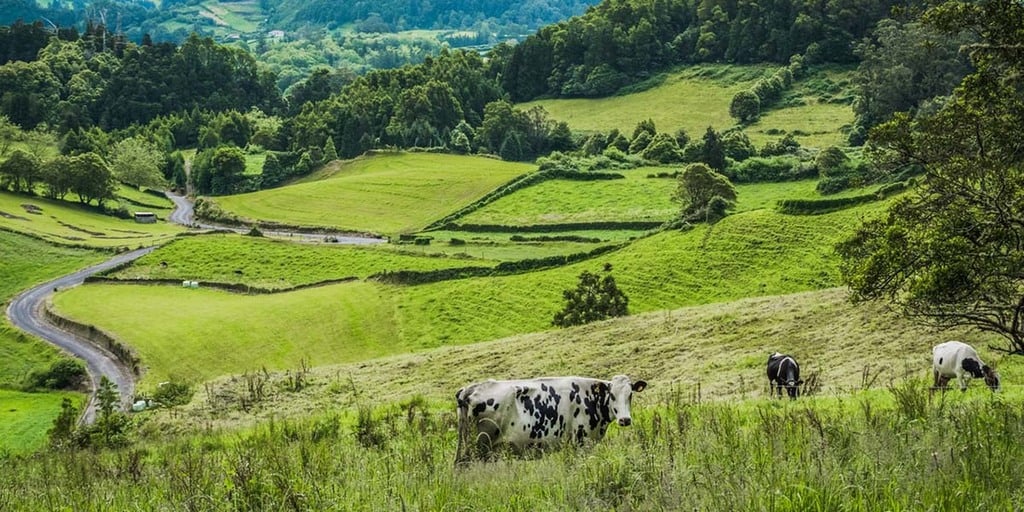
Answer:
(952, 252)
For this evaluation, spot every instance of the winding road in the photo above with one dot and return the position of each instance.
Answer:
(26, 310)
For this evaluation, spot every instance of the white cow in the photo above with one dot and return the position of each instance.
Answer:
(960, 360)
(540, 412)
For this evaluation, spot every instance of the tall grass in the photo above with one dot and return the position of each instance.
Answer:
(858, 453)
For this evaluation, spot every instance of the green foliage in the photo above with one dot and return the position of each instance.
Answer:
(173, 392)
(19, 172)
(745, 106)
(951, 254)
(704, 193)
(787, 145)
(594, 299)
(63, 374)
(137, 162)
(770, 169)
(663, 149)
(712, 150)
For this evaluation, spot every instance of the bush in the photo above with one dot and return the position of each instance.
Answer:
(593, 299)
(62, 374)
(774, 169)
(174, 392)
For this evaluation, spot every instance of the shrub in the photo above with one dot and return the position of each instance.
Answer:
(593, 299)
(745, 106)
(62, 374)
(174, 392)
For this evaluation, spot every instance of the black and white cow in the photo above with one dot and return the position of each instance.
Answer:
(960, 360)
(541, 413)
(783, 371)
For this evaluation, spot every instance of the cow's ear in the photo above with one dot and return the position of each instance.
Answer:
(639, 385)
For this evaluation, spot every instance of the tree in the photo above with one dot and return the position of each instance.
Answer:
(20, 171)
(952, 252)
(745, 107)
(704, 193)
(90, 178)
(330, 152)
(137, 162)
(55, 176)
(712, 150)
(594, 298)
(663, 149)
(227, 165)
(63, 429)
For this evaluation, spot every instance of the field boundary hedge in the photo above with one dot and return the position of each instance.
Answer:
(638, 225)
(518, 183)
(820, 206)
(229, 287)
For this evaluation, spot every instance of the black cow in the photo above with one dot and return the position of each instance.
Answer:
(783, 371)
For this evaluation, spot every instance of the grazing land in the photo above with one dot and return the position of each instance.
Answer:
(756, 253)
(273, 263)
(382, 193)
(25, 418)
(67, 223)
(696, 97)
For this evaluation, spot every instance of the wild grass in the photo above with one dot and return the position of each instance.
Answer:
(274, 264)
(383, 193)
(67, 223)
(692, 99)
(758, 253)
(25, 418)
(697, 97)
(859, 453)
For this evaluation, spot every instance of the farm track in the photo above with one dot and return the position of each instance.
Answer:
(26, 311)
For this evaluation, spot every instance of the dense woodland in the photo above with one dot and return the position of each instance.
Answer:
(95, 88)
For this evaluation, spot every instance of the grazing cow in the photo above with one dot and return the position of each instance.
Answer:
(783, 371)
(960, 360)
(540, 412)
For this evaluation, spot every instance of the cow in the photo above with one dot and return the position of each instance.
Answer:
(540, 413)
(783, 371)
(960, 360)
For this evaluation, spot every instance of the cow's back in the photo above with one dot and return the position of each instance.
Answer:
(948, 356)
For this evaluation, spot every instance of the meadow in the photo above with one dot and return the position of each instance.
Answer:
(69, 223)
(274, 264)
(383, 193)
(757, 253)
(696, 97)
(24, 261)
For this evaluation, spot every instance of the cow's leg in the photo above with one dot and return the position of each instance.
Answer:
(487, 436)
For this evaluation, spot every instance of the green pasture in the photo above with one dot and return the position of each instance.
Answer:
(382, 193)
(636, 198)
(135, 200)
(274, 264)
(254, 163)
(243, 17)
(757, 253)
(500, 246)
(815, 124)
(697, 97)
(69, 223)
(25, 418)
(692, 99)
(874, 437)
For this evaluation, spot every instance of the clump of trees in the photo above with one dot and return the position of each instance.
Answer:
(951, 253)
(594, 298)
(705, 195)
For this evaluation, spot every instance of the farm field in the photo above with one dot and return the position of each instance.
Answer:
(382, 193)
(25, 418)
(274, 264)
(67, 223)
(873, 433)
(758, 253)
(697, 97)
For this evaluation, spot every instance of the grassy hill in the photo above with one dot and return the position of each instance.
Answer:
(68, 223)
(382, 193)
(697, 97)
(758, 253)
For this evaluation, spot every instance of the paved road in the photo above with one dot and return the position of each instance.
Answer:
(25, 312)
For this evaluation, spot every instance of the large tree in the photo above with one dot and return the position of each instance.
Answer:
(704, 193)
(952, 252)
(138, 162)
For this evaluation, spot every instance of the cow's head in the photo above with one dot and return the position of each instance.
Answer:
(621, 397)
(991, 377)
(793, 387)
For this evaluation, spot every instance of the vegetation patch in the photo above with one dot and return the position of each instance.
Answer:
(25, 418)
(383, 193)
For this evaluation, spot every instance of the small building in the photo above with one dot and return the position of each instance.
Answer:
(145, 217)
